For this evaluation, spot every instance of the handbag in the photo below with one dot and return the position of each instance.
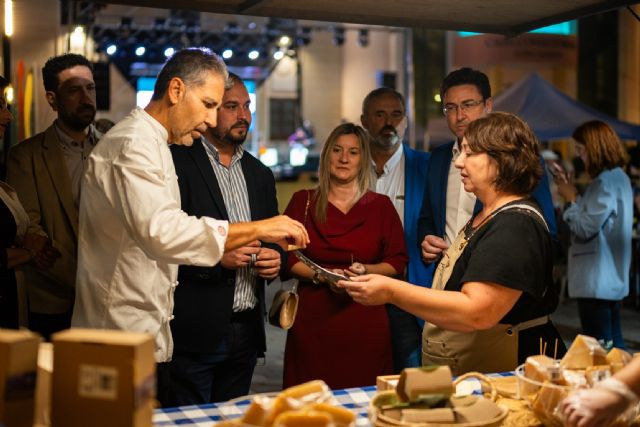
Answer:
(284, 306)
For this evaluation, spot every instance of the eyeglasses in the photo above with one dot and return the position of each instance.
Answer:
(450, 109)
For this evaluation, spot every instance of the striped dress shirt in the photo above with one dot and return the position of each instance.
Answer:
(236, 200)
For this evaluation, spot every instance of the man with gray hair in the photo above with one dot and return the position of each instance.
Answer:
(133, 233)
(400, 173)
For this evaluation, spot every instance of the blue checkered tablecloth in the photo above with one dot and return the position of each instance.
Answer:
(355, 399)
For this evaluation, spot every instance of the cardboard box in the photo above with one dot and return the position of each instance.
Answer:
(42, 415)
(18, 363)
(103, 378)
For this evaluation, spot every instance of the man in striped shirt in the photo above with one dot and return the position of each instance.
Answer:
(219, 325)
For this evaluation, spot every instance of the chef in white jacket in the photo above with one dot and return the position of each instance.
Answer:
(133, 233)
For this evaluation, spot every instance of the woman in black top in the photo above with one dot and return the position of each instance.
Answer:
(492, 291)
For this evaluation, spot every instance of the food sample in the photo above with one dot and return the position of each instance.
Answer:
(427, 380)
(584, 352)
(305, 405)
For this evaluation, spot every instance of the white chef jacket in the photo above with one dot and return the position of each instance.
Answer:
(133, 234)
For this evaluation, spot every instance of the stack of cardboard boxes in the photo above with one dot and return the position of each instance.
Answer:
(97, 378)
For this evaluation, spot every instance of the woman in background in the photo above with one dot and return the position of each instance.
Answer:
(601, 223)
(352, 231)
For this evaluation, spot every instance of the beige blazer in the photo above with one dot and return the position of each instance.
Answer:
(37, 170)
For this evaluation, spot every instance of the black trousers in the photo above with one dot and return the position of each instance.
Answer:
(198, 378)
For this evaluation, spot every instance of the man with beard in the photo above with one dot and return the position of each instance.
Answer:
(400, 173)
(46, 170)
(218, 330)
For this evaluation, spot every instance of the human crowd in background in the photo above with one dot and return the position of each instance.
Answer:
(163, 223)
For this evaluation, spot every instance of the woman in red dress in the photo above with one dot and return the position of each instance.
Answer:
(352, 231)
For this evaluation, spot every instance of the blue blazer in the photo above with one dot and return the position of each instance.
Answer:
(415, 182)
(433, 214)
(601, 224)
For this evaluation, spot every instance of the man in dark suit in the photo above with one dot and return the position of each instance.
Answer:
(218, 329)
(446, 207)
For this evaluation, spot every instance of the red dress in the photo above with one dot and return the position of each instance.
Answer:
(333, 338)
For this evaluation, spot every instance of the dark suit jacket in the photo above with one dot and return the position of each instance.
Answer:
(433, 215)
(204, 296)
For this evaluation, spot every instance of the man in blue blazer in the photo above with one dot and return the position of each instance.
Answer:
(400, 173)
(446, 207)
(218, 330)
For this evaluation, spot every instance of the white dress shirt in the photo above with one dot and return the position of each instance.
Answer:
(391, 182)
(76, 155)
(460, 203)
(133, 234)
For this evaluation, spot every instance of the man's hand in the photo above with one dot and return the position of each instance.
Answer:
(432, 247)
(280, 228)
(240, 257)
(43, 254)
(267, 263)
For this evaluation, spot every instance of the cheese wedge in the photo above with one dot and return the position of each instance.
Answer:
(541, 368)
(303, 419)
(257, 412)
(585, 351)
(341, 417)
(618, 359)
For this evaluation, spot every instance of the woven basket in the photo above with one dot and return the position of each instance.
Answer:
(380, 420)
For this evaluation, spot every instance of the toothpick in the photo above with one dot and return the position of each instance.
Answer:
(555, 349)
(540, 345)
(544, 349)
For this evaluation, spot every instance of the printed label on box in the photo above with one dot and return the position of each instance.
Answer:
(98, 382)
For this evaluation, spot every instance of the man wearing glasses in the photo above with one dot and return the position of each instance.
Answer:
(446, 206)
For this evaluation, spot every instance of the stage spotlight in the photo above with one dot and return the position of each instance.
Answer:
(253, 55)
(284, 41)
(169, 52)
(140, 50)
(111, 49)
(278, 55)
(227, 53)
